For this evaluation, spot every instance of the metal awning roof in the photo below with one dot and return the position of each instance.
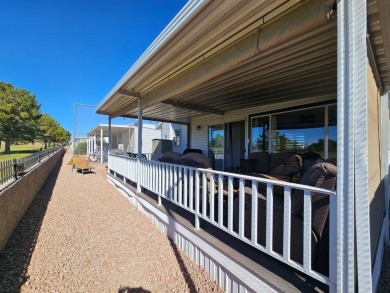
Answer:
(215, 58)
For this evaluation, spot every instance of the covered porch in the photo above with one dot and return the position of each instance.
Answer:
(271, 77)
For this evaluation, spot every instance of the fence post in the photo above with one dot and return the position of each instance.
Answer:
(15, 169)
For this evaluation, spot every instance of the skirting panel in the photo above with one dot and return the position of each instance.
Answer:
(230, 276)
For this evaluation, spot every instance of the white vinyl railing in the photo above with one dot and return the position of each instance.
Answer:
(206, 193)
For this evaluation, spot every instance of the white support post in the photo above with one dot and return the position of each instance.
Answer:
(353, 261)
(94, 142)
(139, 145)
(101, 145)
(109, 135)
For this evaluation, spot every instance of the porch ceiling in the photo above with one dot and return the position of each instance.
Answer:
(189, 79)
(306, 68)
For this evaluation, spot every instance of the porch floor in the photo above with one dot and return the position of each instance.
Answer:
(81, 235)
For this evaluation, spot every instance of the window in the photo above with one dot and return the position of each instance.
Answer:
(216, 145)
(260, 132)
(177, 138)
(313, 129)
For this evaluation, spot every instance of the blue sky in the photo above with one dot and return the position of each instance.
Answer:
(68, 52)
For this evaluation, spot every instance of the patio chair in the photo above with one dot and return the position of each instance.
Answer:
(82, 164)
(322, 175)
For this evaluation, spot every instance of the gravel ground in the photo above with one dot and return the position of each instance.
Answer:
(81, 235)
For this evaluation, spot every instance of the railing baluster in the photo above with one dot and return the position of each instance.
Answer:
(307, 230)
(212, 197)
(169, 182)
(175, 184)
(241, 213)
(164, 190)
(191, 189)
(204, 194)
(160, 172)
(159, 185)
(220, 200)
(269, 218)
(254, 212)
(185, 170)
(180, 190)
(155, 178)
(230, 203)
(197, 224)
(287, 223)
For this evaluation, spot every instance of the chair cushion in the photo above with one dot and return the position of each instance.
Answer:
(247, 166)
(186, 151)
(195, 160)
(309, 159)
(321, 175)
(286, 165)
(170, 158)
(262, 161)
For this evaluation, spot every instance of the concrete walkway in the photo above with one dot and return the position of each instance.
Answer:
(81, 235)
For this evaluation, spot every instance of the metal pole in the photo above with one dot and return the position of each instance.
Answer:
(74, 122)
(74, 128)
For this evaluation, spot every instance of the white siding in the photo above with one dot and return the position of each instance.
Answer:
(147, 137)
(183, 138)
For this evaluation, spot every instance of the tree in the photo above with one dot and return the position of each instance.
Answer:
(50, 131)
(47, 129)
(62, 135)
(19, 115)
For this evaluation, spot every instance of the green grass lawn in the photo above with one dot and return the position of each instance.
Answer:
(18, 151)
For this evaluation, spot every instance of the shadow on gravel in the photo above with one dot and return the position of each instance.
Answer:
(186, 274)
(16, 256)
(183, 268)
(132, 290)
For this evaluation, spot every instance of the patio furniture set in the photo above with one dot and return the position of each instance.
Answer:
(307, 169)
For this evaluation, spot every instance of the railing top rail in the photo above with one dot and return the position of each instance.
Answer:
(244, 177)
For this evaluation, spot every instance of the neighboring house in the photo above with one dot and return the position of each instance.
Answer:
(175, 132)
(267, 76)
(78, 140)
(124, 138)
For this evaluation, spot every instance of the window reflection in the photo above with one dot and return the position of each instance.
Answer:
(216, 144)
(296, 131)
(260, 139)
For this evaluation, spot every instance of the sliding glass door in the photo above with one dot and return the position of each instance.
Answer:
(217, 145)
(313, 129)
(227, 145)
